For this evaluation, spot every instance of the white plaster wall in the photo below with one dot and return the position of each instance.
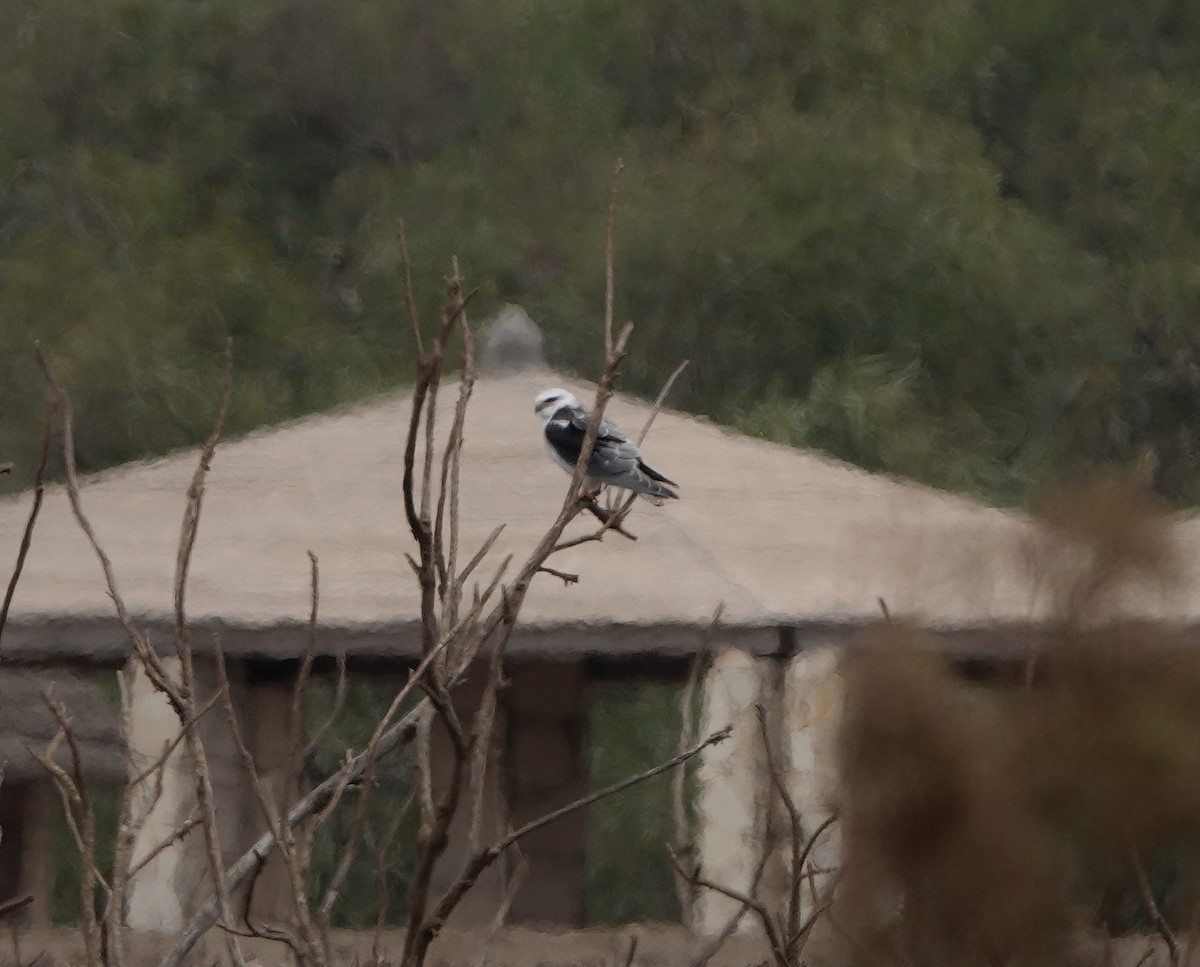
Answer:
(155, 904)
(730, 780)
(812, 703)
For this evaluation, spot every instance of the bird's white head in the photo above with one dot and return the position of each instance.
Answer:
(550, 401)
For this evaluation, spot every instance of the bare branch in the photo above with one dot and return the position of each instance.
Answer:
(1160, 922)
(687, 736)
(350, 849)
(38, 493)
(608, 261)
(484, 858)
(419, 524)
(660, 400)
(480, 554)
(481, 747)
(184, 694)
(708, 950)
(447, 557)
(175, 836)
(633, 945)
(567, 578)
(339, 700)
(795, 831)
(511, 889)
(382, 893)
(747, 900)
(175, 742)
(395, 737)
(195, 502)
(139, 641)
(77, 788)
(296, 743)
(11, 906)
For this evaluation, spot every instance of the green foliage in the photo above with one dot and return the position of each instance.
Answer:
(627, 875)
(947, 239)
(67, 860)
(390, 827)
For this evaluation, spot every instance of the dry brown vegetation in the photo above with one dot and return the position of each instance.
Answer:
(1000, 825)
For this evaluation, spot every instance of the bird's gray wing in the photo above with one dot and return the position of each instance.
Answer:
(607, 430)
(613, 458)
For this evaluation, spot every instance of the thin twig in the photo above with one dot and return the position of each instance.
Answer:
(747, 900)
(382, 893)
(39, 490)
(795, 831)
(395, 737)
(185, 693)
(174, 836)
(567, 578)
(340, 690)
(480, 554)
(349, 850)
(153, 666)
(709, 948)
(633, 945)
(175, 742)
(87, 831)
(608, 260)
(484, 858)
(296, 743)
(10, 906)
(687, 735)
(660, 400)
(447, 556)
(511, 889)
(482, 735)
(292, 854)
(195, 501)
(1160, 922)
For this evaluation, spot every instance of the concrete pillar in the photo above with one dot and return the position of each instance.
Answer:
(546, 769)
(812, 698)
(159, 895)
(731, 796)
(164, 894)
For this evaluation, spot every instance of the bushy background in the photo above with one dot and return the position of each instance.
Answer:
(954, 239)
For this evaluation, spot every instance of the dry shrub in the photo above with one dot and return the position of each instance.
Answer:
(1102, 540)
(987, 825)
(1112, 726)
(946, 861)
(1113, 755)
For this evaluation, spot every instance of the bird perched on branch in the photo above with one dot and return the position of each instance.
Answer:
(614, 460)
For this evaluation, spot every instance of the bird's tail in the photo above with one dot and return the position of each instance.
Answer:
(655, 475)
(651, 485)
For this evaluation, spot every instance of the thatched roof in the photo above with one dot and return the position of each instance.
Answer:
(782, 536)
(26, 723)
